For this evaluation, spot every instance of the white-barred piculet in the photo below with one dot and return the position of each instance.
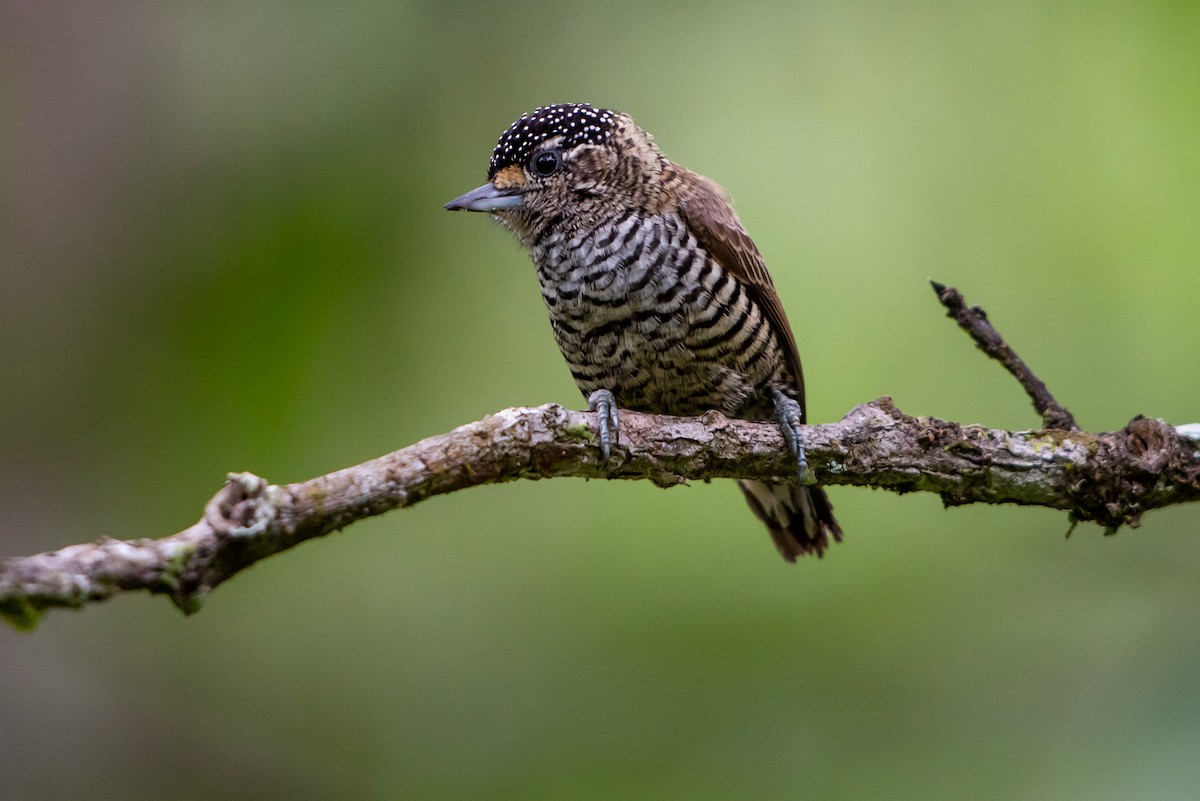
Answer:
(658, 298)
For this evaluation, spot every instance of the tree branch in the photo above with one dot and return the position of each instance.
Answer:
(1111, 478)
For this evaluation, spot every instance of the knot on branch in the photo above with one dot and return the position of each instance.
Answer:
(244, 507)
(1150, 444)
(1131, 470)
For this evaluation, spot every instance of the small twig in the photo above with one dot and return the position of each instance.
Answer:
(974, 321)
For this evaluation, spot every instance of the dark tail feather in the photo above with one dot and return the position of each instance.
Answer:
(800, 519)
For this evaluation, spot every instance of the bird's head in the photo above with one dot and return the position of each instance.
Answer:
(569, 165)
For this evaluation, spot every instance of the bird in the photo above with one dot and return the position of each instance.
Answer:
(658, 298)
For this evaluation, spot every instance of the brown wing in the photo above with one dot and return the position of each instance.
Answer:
(709, 214)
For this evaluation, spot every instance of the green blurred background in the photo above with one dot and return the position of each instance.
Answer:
(223, 248)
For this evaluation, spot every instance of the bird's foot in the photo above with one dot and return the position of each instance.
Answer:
(789, 415)
(604, 405)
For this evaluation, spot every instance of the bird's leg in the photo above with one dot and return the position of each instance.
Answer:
(605, 405)
(788, 413)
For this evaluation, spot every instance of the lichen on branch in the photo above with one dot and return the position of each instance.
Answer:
(1110, 478)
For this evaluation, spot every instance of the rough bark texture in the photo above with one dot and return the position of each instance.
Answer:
(1111, 478)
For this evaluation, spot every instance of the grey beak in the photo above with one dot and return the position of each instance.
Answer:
(486, 198)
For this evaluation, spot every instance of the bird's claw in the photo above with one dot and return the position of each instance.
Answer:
(789, 414)
(604, 405)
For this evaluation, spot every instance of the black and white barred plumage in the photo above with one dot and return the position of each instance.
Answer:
(655, 292)
(640, 309)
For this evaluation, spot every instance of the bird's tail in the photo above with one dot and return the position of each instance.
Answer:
(800, 519)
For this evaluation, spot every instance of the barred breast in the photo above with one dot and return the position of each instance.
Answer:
(640, 308)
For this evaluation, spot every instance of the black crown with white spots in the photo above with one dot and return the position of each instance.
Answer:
(577, 123)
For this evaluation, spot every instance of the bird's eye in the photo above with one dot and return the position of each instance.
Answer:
(545, 163)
